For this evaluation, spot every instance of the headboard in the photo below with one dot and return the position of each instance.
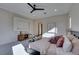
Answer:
(75, 33)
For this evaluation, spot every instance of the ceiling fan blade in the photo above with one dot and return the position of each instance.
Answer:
(32, 11)
(39, 9)
(30, 5)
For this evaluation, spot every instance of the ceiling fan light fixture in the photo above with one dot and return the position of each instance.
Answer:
(55, 10)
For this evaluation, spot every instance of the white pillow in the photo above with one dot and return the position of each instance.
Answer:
(67, 46)
(75, 43)
(70, 36)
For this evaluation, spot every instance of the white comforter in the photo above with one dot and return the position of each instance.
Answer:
(40, 45)
(43, 45)
(46, 48)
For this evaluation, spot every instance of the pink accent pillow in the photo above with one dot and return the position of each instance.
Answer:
(60, 42)
(53, 40)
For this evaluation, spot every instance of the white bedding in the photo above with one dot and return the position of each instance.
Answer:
(50, 49)
(40, 45)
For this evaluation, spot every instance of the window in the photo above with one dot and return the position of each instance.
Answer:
(51, 32)
(70, 22)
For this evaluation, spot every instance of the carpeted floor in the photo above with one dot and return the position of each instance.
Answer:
(7, 48)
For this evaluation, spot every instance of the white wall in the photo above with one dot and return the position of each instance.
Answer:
(74, 14)
(21, 24)
(7, 33)
(6, 29)
(61, 23)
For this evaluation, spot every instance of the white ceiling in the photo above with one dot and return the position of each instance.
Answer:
(24, 9)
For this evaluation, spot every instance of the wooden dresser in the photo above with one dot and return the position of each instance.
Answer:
(22, 37)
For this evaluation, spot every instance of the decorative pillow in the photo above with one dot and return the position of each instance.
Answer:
(67, 45)
(60, 42)
(70, 36)
(53, 40)
(75, 43)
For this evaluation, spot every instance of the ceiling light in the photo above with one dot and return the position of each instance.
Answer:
(55, 10)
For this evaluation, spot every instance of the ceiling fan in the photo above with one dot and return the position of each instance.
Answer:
(34, 7)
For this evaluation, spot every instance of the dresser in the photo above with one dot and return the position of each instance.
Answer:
(22, 37)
